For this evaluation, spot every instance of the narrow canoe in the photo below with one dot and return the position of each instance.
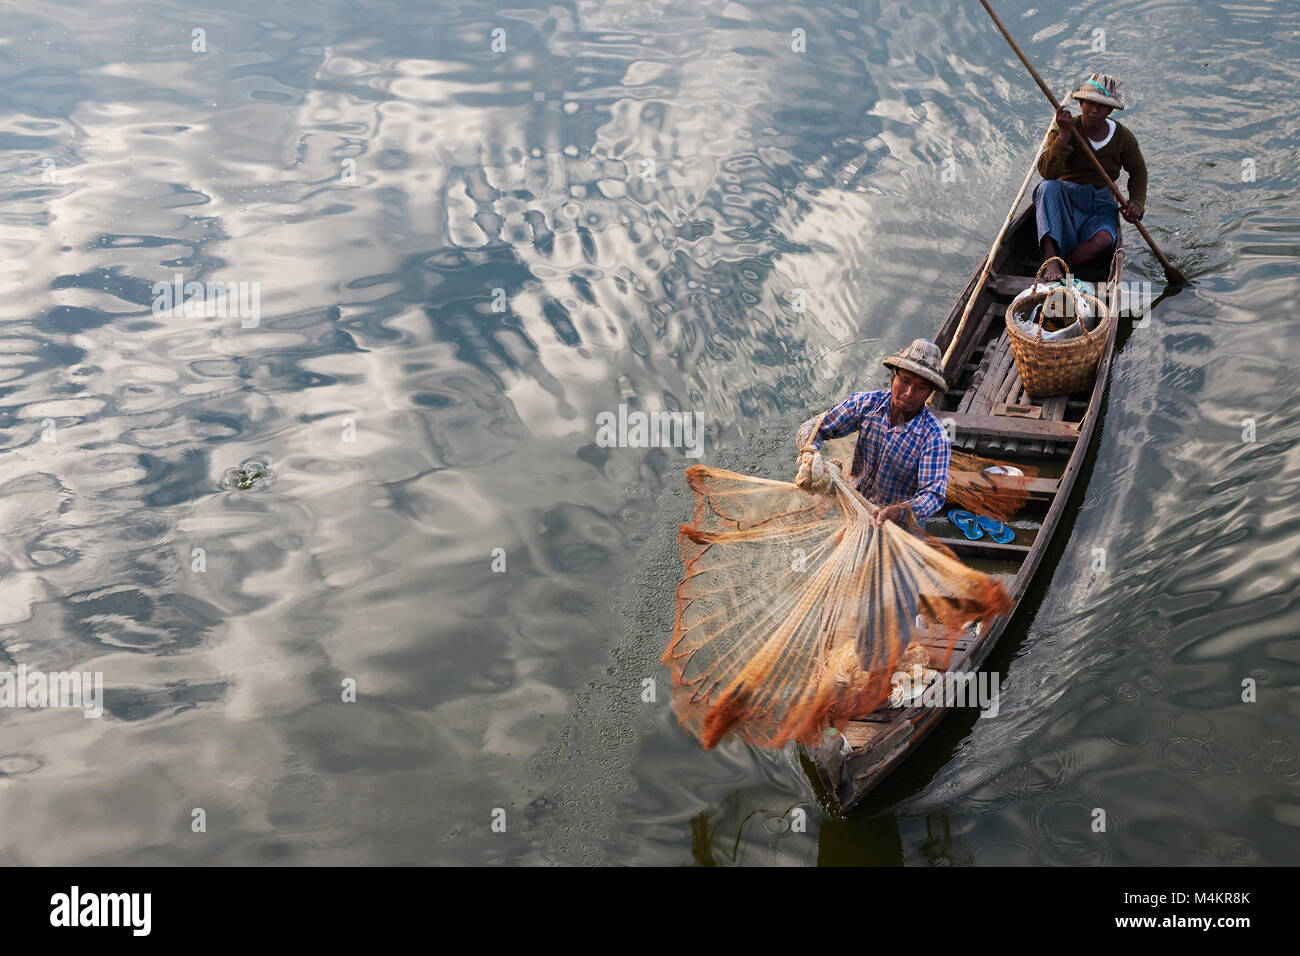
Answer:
(983, 404)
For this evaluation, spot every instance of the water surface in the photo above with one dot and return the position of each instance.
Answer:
(462, 258)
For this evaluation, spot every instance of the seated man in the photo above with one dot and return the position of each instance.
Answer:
(1076, 211)
(902, 455)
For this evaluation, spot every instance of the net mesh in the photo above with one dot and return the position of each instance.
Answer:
(973, 487)
(795, 610)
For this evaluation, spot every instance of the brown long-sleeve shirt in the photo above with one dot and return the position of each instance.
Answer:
(1062, 159)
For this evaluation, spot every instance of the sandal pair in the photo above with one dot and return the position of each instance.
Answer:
(975, 526)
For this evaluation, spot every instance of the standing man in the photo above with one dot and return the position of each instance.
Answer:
(1078, 218)
(902, 455)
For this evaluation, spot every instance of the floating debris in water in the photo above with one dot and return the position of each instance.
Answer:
(252, 475)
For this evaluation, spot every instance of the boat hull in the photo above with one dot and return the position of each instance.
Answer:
(850, 765)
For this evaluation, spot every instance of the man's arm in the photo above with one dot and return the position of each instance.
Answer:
(931, 479)
(1056, 154)
(843, 419)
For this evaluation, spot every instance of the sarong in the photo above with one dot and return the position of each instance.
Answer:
(1072, 213)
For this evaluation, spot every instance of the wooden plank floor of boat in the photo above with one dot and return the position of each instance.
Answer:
(997, 418)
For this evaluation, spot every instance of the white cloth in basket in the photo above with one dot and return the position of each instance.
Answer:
(1028, 323)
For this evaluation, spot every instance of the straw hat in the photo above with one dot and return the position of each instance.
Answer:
(1100, 88)
(921, 358)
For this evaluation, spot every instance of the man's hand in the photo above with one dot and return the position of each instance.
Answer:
(892, 513)
(1063, 118)
(1132, 211)
(814, 474)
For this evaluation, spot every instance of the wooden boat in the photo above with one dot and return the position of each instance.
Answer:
(993, 418)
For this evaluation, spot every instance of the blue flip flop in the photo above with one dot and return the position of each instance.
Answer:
(965, 522)
(998, 530)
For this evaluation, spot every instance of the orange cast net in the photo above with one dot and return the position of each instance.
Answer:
(795, 610)
(972, 486)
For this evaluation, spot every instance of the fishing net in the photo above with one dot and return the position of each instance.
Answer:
(988, 486)
(795, 610)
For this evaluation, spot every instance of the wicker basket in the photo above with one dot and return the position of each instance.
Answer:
(1056, 368)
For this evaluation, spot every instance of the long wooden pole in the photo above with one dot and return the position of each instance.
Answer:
(988, 263)
(1172, 274)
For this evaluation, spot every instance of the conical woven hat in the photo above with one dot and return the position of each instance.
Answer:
(921, 358)
(1100, 88)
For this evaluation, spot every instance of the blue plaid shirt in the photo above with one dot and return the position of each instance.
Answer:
(905, 465)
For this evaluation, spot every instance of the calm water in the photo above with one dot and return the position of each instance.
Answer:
(645, 183)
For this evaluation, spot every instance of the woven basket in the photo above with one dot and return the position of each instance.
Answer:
(1056, 368)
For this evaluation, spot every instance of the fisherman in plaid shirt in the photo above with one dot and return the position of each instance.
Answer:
(902, 455)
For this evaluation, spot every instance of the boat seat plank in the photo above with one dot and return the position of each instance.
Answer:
(1043, 487)
(1000, 426)
(859, 733)
(1039, 488)
(987, 549)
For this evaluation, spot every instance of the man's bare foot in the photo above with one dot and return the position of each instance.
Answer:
(1053, 272)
